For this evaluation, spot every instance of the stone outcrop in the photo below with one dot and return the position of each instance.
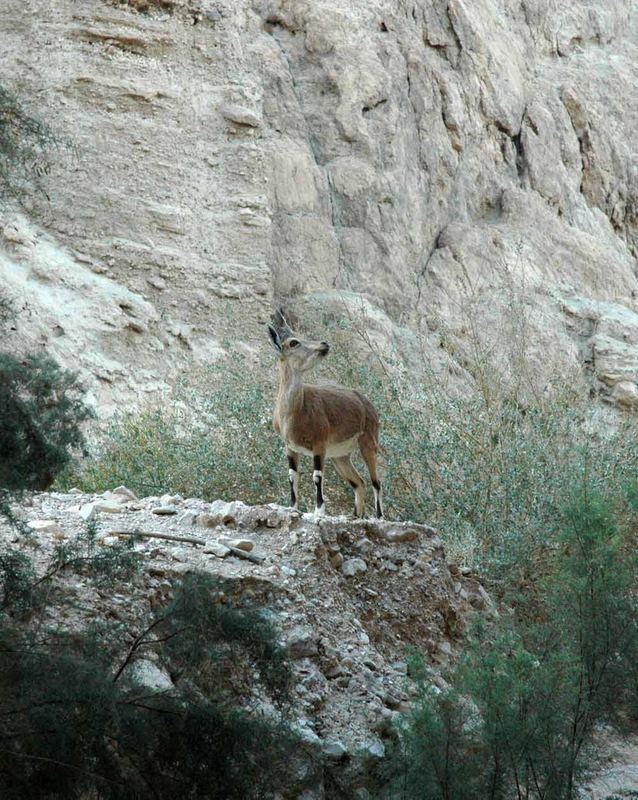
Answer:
(347, 633)
(449, 167)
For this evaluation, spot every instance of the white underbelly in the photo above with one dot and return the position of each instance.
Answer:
(334, 450)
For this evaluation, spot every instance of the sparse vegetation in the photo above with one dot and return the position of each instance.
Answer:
(523, 485)
(518, 718)
(487, 470)
(41, 417)
(25, 146)
(213, 439)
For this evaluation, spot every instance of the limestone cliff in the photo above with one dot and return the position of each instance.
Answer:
(446, 165)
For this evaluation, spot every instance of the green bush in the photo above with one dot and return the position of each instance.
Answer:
(72, 724)
(212, 439)
(489, 471)
(527, 694)
(41, 414)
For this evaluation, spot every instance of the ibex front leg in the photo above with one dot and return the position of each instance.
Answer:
(293, 477)
(317, 477)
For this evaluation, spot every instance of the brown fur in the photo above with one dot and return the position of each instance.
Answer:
(328, 415)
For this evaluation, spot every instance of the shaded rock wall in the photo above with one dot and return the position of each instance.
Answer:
(447, 166)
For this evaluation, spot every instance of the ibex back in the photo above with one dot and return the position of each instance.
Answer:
(322, 421)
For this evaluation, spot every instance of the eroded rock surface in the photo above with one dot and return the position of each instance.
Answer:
(450, 166)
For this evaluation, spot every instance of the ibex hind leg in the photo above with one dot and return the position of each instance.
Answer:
(369, 453)
(346, 469)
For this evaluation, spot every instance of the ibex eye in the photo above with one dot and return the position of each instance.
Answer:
(293, 343)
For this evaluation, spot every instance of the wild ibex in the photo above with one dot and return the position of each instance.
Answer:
(322, 421)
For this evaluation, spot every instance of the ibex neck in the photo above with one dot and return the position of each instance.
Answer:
(290, 389)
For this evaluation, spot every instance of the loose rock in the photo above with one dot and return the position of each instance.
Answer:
(354, 566)
(302, 643)
(217, 549)
(164, 511)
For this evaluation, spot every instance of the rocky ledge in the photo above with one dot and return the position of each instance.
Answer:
(351, 597)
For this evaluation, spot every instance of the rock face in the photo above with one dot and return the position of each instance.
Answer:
(444, 165)
(347, 635)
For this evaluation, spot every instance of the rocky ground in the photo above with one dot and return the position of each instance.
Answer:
(351, 596)
(617, 775)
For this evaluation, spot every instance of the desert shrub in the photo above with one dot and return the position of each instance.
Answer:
(17, 580)
(212, 438)
(72, 724)
(528, 692)
(41, 414)
(490, 469)
(225, 645)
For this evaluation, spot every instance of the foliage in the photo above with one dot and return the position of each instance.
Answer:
(17, 579)
(213, 439)
(225, 646)
(493, 479)
(528, 693)
(72, 725)
(25, 145)
(41, 413)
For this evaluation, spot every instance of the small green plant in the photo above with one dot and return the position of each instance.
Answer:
(213, 440)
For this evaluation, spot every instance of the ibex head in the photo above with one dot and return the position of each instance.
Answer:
(301, 355)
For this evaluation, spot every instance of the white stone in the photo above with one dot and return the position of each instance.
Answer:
(125, 492)
(241, 544)
(240, 115)
(164, 511)
(374, 749)
(87, 511)
(334, 750)
(353, 566)
(49, 526)
(107, 507)
(217, 549)
(150, 676)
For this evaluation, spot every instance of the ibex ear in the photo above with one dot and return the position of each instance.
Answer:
(275, 338)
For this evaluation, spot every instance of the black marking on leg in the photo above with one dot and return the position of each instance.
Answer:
(354, 484)
(355, 510)
(319, 493)
(379, 511)
(376, 485)
(292, 463)
(293, 496)
(317, 462)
